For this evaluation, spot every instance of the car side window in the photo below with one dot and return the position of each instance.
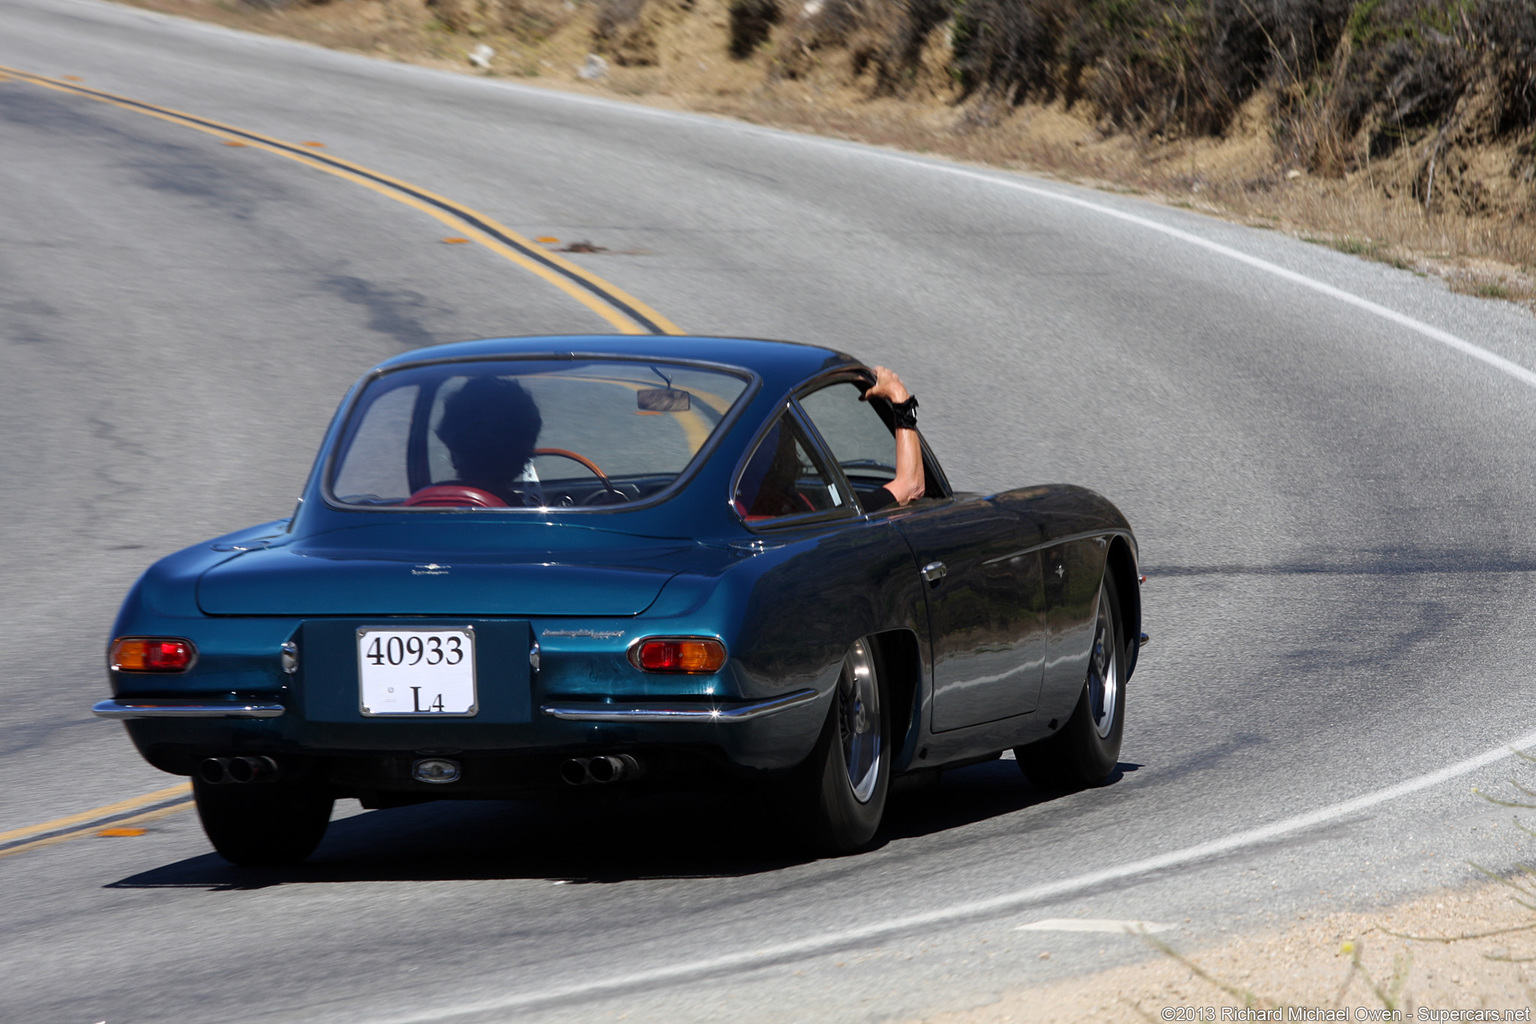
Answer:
(783, 478)
(859, 440)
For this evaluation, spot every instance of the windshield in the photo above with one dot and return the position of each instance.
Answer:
(517, 434)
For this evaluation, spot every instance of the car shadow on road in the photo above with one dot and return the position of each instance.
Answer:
(965, 796)
(649, 837)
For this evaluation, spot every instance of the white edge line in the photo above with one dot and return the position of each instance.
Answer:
(763, 956)
(1445, 338)
(1095, 926)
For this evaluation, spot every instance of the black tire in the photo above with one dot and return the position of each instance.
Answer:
(844, 782)
(1085, 751)
(263, 822)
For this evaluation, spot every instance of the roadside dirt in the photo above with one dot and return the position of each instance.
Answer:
(1358, 963)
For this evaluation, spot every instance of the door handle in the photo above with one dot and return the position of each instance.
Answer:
(934, 571)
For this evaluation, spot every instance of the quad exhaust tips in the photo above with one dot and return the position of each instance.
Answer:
(219, 770)
(578, 771)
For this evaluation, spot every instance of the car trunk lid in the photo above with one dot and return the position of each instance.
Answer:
(379, 571)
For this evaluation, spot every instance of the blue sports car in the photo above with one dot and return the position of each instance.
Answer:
(526, 565)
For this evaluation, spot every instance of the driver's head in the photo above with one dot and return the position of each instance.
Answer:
(490, 427)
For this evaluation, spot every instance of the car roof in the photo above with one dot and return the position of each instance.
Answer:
(780, 364)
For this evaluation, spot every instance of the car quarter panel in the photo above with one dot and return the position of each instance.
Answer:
(794, 610)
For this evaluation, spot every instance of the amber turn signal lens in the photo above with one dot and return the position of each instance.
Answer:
(680, 654)
(151, 654)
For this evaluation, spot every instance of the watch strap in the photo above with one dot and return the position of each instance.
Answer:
(905, 413)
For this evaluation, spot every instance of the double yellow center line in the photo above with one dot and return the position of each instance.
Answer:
(625, 312)
(123, 814)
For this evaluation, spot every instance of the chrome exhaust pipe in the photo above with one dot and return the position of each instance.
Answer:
(613, 768)
(574, 771)
(250, 769)
(216, 771)
(212, 770)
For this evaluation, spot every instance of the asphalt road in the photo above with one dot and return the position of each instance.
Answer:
(1333, 507)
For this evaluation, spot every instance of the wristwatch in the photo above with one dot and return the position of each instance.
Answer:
(906, 412)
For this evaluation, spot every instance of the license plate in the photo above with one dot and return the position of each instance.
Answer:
(416, 671)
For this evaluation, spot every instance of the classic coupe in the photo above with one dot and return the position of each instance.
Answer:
(522, 567)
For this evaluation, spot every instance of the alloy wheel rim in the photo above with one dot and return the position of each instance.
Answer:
(858, 696)
(1103, 673)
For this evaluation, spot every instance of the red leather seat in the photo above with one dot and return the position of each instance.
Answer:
(454, 496)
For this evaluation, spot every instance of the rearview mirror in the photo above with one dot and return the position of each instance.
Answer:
(662, 400)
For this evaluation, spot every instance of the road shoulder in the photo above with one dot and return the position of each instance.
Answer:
(1362, 962)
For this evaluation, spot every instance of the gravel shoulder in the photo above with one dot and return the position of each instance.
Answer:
(1455, 950)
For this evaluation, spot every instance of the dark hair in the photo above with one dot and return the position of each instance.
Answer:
(490, 427)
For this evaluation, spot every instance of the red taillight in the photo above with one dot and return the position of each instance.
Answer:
(151, 654)
(679, 654)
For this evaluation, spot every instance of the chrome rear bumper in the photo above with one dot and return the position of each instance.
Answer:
(152, 708)
(676, 713)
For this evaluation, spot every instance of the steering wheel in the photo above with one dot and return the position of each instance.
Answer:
(589, 465)
(454, 496)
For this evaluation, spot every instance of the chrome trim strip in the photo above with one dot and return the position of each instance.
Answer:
(729, 713)
(1066, 538)
(128, 708)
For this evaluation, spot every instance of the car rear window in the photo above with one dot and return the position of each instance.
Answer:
(520, 434)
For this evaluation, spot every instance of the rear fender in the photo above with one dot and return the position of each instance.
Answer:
(1122, 569)
(899, 656)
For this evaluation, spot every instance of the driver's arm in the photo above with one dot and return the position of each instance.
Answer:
(908, 485)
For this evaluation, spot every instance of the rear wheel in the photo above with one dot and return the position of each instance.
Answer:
(263, 822)
(1087, 749)
(849, 772)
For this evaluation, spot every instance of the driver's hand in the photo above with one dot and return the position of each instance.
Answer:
(887, 385)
